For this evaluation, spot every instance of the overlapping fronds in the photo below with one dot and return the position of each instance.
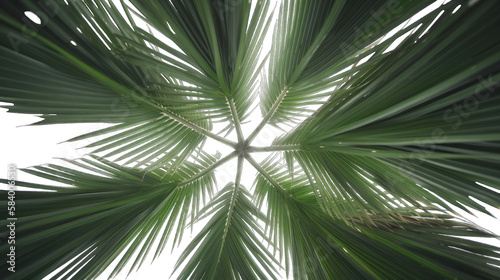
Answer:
(395, 124)
(421, 118)
(217, 38)
(319, 247)
(231, 245)
(103, 208)
(317, 45)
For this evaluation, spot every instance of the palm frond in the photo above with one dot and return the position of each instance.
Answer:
(317, 246)
(218, 38)
(107, 88)
(230, 246)
(387, 140)
(103, 208)
(315, 43)
(395, 129)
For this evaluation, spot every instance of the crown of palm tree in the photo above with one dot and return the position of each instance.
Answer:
(386, 142)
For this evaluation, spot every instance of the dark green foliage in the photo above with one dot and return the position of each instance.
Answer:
(386, 142)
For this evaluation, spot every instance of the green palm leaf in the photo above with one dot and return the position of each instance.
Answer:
(217, 37)
(103, 208)
(397, 126)
(309, 54)
(230, 244)
(320, 247)
(394, 125)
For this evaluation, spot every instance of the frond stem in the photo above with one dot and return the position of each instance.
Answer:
(197, 128)
(253, 149)
(237, 182)
(236, 120)
(264, 173)
(268, 116)
(210, 168)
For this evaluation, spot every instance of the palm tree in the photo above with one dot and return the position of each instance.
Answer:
(386, 143)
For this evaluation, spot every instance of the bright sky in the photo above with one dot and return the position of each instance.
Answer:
(34, 145)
